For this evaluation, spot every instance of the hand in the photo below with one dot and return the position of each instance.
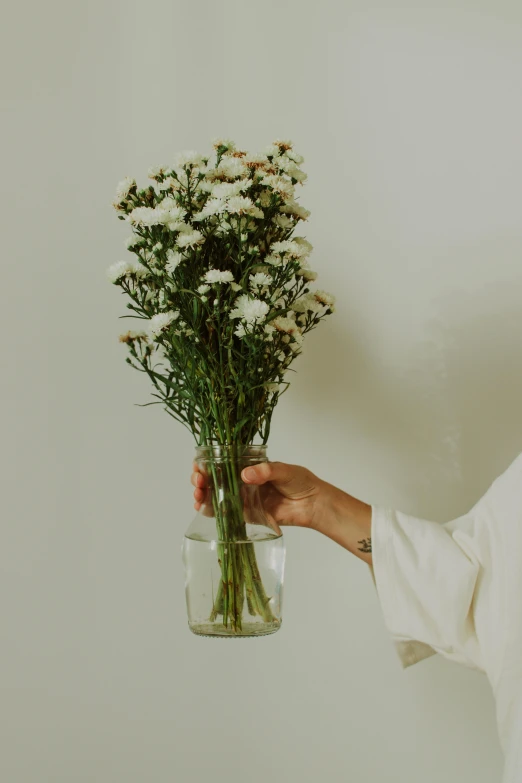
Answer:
(290, 494)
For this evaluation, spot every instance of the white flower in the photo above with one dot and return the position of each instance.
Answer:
(272, 150)
(308, 274)
(206, 185)
(134, 239)
(285, 164)
(293, 208)
(294, 156)
(304, 243)
(273, 260)
(123, 268)
(168, 203)
(265, 198)
(231, 168)
(288, 326)
(260, 279)
(222, 190)
(228, 143)
(235, 286)
(249, 310)
(256, 160)
(188, 158)
(240, 331)
(217, 276)
(242, 205)
(189, 239)
(299, 175)
(156, 171)
(305, 303)
(145, 216)
(177, 225)
(291, 248)
(163, 297)
(290, 168)
(324, 297)
(138, 269)
(118, 270)
(123, 188)
(202, 289)
(213, 207)
(279, 184)
(170, 212)
(167, 213)
(160, 321)
(173, 260)
(168, 184)
(283, 221)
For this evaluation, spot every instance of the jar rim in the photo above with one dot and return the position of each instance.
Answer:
(219, 448)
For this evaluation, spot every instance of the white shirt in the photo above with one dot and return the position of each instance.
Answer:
(456, 589)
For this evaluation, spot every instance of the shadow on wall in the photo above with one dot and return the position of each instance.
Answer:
(446, 415)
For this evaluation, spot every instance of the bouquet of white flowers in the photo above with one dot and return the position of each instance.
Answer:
(221, 287)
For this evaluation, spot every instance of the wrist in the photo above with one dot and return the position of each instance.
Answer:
(346, 520)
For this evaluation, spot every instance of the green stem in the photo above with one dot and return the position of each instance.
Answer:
(240, 574)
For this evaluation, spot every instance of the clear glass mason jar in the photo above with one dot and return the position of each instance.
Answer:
(234, 555)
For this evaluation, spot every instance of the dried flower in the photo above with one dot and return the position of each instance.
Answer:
(223, 225)
(131, 337)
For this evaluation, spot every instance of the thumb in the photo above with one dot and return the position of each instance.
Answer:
(292, 480)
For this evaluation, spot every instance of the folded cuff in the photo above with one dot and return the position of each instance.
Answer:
(409, 651)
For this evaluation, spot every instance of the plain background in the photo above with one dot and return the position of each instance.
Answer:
(409, 119)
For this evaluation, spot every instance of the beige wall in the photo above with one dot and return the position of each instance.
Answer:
(410, 122)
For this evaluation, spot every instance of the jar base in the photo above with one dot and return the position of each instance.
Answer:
(248, 630)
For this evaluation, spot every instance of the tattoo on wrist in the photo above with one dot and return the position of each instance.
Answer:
(366, 545)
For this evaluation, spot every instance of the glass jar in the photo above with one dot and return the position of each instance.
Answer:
(234, 555)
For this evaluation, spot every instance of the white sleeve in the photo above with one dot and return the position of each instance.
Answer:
(426, 578)
(456, 588)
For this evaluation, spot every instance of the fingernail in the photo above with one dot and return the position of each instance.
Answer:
(249, 473)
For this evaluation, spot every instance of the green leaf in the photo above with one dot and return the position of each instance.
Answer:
(182, 392)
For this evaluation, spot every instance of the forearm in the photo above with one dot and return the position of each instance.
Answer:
(347, 521)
